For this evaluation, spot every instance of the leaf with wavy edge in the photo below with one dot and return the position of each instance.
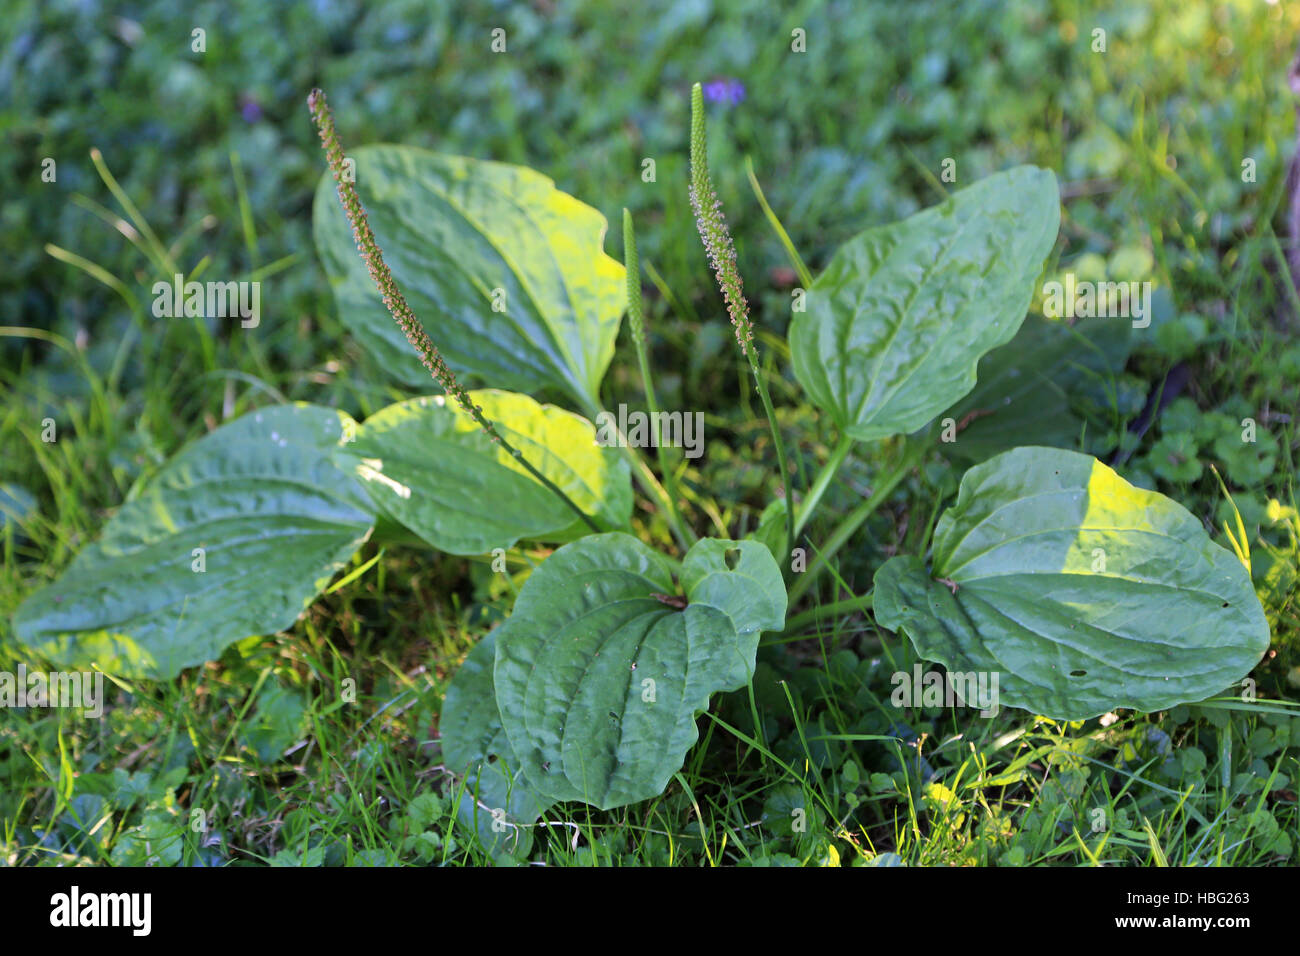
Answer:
(454, 231)
(1083, 592)
(591, 627)
(474, 744)
(276, 519)
(428, 466)
(894, 328)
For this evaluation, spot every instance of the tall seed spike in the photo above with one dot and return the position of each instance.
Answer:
(699, 140)
(396, 302)
(722, 254)
(380, 274)
(712, 227)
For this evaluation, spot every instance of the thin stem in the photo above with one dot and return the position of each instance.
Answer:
(854, 520)
(641, 472)
(795, 259)
(786, 477)
(722, 255)
(927, 174)
(636, 319)
(396, 302)
(811, 616)
(821, 483)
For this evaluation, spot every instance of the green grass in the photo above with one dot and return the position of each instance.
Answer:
(267, 756)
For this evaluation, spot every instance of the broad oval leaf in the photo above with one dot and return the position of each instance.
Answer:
(508, 274)
(1081, 591)
(274, 517)
(599, 680)
(430, 467)
(474, 744)
(894, 327)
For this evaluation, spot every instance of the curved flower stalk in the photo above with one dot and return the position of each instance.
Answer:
(712, 227)
(636, 320)
(395, 302)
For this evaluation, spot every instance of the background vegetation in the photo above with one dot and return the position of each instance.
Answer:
(216, 151)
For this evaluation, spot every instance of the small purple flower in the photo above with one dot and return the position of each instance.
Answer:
(725, 90)
(251, 110)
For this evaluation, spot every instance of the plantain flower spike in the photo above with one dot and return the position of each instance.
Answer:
(713, 230)
(394, 301)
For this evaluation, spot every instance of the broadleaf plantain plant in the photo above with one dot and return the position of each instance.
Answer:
(1083, 592)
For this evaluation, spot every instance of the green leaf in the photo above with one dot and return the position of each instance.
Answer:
(894, 327)
(429, 466)
(507, 273)
(1081, 591)
(599, 681)
(497, 802)
(276, 519)
(1026, 389)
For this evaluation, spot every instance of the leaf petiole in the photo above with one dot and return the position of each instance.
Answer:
(821, 483)
(857, 517)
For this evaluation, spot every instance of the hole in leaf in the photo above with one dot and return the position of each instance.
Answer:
(1078, 673)
(732, 557)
